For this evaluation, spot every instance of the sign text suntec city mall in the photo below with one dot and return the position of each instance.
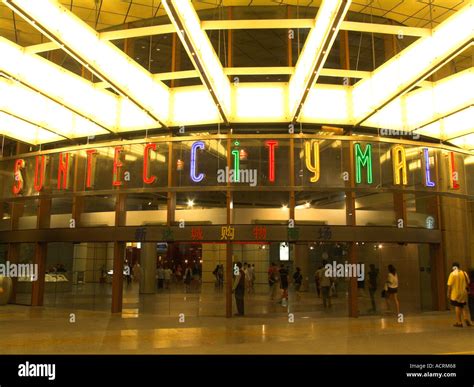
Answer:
(62, 174)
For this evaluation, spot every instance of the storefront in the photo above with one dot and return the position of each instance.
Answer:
(85, 213)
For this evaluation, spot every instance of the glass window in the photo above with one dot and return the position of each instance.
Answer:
(374, 209)
(260, 207)
(201, 207)
(146, 209)
(320, 208)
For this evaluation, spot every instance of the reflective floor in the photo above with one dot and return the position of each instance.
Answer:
(55, 330)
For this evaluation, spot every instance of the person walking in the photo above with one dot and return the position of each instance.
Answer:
(239, 289)
(458, 283)
(297, 280)
(273, 280)
(283, 284)
(373, 278)
(392, 288)
(325, 282)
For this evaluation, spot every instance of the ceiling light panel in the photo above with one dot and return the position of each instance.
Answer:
(315, 51)
(101, 57)
(413, 64)
(201, 52)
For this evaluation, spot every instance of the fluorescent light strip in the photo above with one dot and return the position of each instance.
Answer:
(24, 131)
(111, 112)
(315, 51)
(413, 64)
(57, 84)
(101, 57)
(33, 107)
(201, 52)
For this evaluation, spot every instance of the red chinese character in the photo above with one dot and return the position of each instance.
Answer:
(196, 233)
(260, 232)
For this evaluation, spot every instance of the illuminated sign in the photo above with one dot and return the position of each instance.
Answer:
(197, 145)
(311, 150)
(426, 169)
(363, 159)
(91, 168)
(399, 164)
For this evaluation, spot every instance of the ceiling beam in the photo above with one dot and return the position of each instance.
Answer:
(315, 52)
(418, 61)
(245, 24)
(201, 53)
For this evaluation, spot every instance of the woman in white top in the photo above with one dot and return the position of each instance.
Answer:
(392, 288)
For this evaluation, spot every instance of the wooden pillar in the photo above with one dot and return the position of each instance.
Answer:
(17, 209)
(229, 268)
(171, 196)
(37, 288)
(438, 278)
(175, 58)
(348, 162)
(13, 257)
(344, 54)
(230, 62)
(290, 41)
(117, 278)
(120, 210)
(400, 208)
(292, 179)
(43, 221)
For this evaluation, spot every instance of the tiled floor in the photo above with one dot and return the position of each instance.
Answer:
(26, 330)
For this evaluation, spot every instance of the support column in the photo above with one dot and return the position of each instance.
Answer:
(400, 208)
(148, 265)
(229, 263)
(302, 261)
(228, 280)
(348, 162)
(13, 257)
(117, 278)
(120, 210)
(14, 248)
(37, 288)
(43, 221)
(438, 278)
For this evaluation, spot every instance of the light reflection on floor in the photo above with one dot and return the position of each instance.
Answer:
(49, 330)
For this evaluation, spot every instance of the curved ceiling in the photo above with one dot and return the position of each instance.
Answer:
(425, 88)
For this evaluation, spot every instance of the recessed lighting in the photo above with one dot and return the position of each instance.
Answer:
(190, 203)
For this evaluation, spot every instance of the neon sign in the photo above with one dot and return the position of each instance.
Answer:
(453, 173)
(117, 181)
(399, 164)
(426, 169)
(18, 184)
(271, 144)
(39, 172)
(234, 172)
(363, 159)
(197, 145)
(147, 179)
(63, 170)
(312, 165)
